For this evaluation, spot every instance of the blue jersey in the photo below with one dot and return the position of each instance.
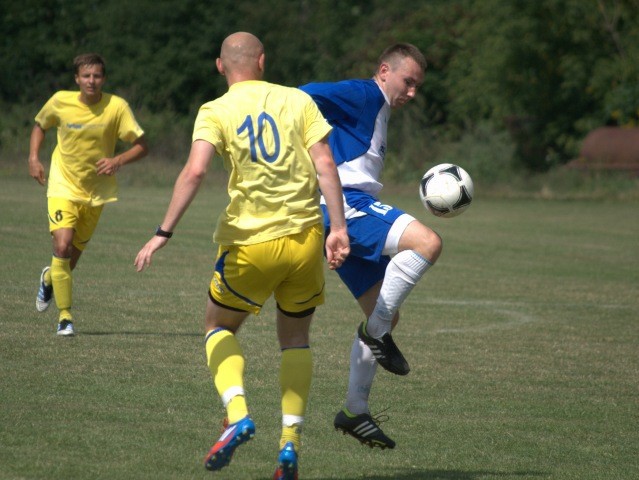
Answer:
(358, 111)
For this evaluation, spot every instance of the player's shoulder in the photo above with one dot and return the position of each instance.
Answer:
(115, 100)
(352, 84)
(284, 90)
(64, 96)
(297, 94)
(351, 91)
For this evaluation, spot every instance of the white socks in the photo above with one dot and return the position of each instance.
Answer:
(360, 379)
(403, 272)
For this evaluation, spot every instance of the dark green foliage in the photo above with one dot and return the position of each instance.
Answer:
(545, 71)
(549, 71)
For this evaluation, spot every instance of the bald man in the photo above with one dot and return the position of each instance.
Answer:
(273, 141)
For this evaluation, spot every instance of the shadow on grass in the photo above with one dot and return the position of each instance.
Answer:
(150, 334)
(448, 475)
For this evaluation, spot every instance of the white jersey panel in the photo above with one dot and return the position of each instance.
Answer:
(363, 173)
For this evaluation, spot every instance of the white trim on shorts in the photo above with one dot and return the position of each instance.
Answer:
(391, 247)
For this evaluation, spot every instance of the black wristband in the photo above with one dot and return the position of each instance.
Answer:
(163, 233)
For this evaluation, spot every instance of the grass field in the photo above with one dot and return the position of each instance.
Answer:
(523, 342)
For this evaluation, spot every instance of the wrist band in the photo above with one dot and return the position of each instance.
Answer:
(163, 233)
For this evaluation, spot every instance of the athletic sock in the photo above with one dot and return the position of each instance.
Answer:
(226, 363)
(292, 433)
(47, 277)
(402, 273)
(62, 282)
(360, 379)
(296, 371)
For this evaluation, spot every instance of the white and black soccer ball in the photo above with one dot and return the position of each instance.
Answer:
(446, 190)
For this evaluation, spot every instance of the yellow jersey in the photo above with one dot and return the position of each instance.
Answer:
(85, 134)
(263, 132)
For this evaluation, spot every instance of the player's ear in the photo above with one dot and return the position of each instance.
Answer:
(220, 67)
(383, 70)
(260, 62)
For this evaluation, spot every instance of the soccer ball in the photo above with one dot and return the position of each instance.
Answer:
(446, 190)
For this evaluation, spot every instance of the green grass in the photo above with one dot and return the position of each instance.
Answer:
(523, 342)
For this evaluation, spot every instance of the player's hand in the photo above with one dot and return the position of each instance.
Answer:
(337, 248)
(143, 258)
(36, 171)
(108, 166)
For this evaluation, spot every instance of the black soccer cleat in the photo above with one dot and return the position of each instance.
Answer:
(363, 428)
(385, 351)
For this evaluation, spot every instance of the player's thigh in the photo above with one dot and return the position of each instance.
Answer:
(66, 215)
(86, 225)
(62, 213)
(421, 239)
(303, 286)
(369, 231)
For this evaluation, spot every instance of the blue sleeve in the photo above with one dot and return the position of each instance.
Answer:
(338, 101)
(351, 107)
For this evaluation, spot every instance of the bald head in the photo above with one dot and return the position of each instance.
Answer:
(242, 54)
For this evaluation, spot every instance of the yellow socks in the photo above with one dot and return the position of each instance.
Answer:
(226, 363)
(295, 382)
(60, 276)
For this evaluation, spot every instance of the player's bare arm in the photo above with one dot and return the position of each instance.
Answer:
(110, 166)
(36, 169)
(184, 191)
(337, 242)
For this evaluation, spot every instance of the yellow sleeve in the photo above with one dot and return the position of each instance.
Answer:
(129, 130)
(206, 128)
(48, 117)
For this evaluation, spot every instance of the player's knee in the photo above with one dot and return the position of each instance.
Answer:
(430, 246)
(437, 244)
(62, 250)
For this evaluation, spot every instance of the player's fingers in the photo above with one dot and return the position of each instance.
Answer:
(335, 259)
(37, 174)
(142, 260)
(329, 255)
(104, 167)
(142, 264)
(341, 253)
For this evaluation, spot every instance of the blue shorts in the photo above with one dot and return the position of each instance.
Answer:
(365, 266)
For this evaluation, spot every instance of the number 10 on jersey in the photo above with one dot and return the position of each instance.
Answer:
(258, 139)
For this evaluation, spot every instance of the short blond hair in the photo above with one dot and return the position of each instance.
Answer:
(403, 50)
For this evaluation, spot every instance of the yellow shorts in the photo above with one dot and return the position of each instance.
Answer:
(291, 268)
(82, 218)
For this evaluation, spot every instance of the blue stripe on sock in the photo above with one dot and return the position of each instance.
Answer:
(213, 332)
(292, 348)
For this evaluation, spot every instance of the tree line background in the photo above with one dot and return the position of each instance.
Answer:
(511, 84)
